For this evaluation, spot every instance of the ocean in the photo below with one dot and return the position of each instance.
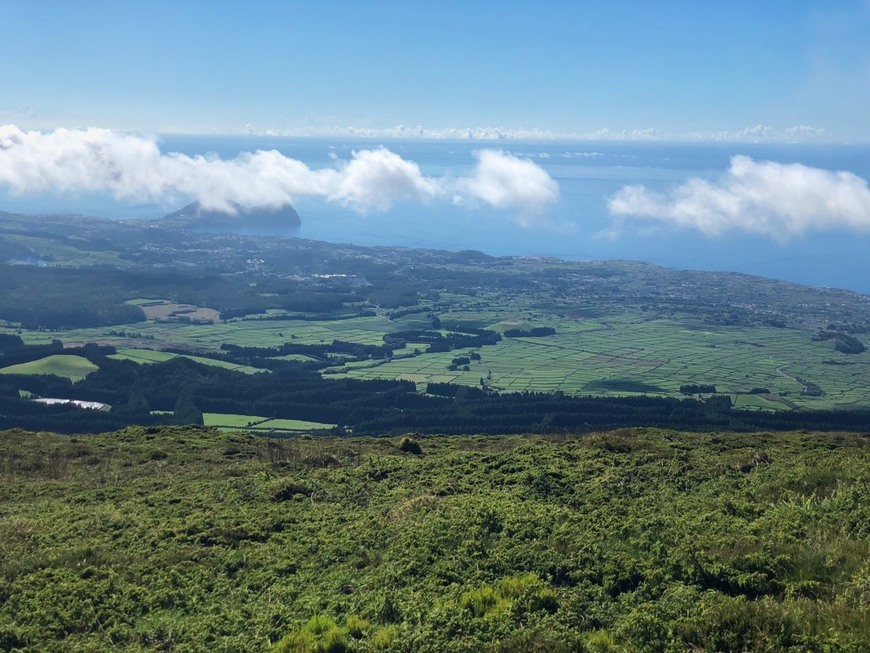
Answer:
(578, 226)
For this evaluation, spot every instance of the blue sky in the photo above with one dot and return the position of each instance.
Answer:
(682, 69)
(92, 92)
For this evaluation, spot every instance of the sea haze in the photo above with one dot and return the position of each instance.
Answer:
(579, 226)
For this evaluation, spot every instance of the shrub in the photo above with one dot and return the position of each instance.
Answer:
(545, 600)
(600, 641)
(537, 641)
(480, 602)
(319, 624)
(489, 601)
(384, 639)
(287, 489)
(409, 445)
(319, 635)
(357, 626)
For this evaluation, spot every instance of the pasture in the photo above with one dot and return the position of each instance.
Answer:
(69, 252)
(74, 368)
(625, 355)
(209, 337)
(760, 402)
(146, 356)
(620, 354)
(258, 424)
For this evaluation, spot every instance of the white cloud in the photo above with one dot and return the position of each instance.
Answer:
(801, 131)
(376, 179)
(133, 167)
(647, 134)
(420, 132)
(754, 134)
(761, 134)
(505, 181)
(775, 199)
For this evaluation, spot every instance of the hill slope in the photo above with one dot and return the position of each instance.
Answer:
(74, 368)
(280, 219)
(636, 540)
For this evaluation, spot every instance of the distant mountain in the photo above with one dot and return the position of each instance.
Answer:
(259, 218)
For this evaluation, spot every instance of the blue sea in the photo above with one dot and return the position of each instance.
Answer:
(588, 173)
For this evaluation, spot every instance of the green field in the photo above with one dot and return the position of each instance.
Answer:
(143, 301)
(153, 356)
(72, 252)
(75, 368)
(608, 355)
(640, 540)
(621, 353)
(604, 355)
(299, 358)
(293, 425)
(758, 401)
(622, 327)
(252, 333)
(257, 424)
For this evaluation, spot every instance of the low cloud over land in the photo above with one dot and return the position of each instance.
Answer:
(133, 167)
(774, 199)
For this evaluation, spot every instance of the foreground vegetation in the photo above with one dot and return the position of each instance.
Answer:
(180, 538)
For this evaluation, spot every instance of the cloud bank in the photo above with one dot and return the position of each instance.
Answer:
(417, 132)
(774, 199)
(133, 167)
(758, 133)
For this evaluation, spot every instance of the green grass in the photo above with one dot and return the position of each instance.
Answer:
(758, 401)
(294, 425)
(611, 356)
(71, 253)
(300, 358)
(606, 355)
(638, 540)
(143, 301)
(231, 421)
(144, 355)
(256, 423)
(153, 356)
(75, 368)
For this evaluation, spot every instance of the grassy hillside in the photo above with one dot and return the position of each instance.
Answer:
(75, 368)
(146, 356)
(189, 539)
(262, 424)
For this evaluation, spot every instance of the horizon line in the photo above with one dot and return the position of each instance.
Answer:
(756, 135)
